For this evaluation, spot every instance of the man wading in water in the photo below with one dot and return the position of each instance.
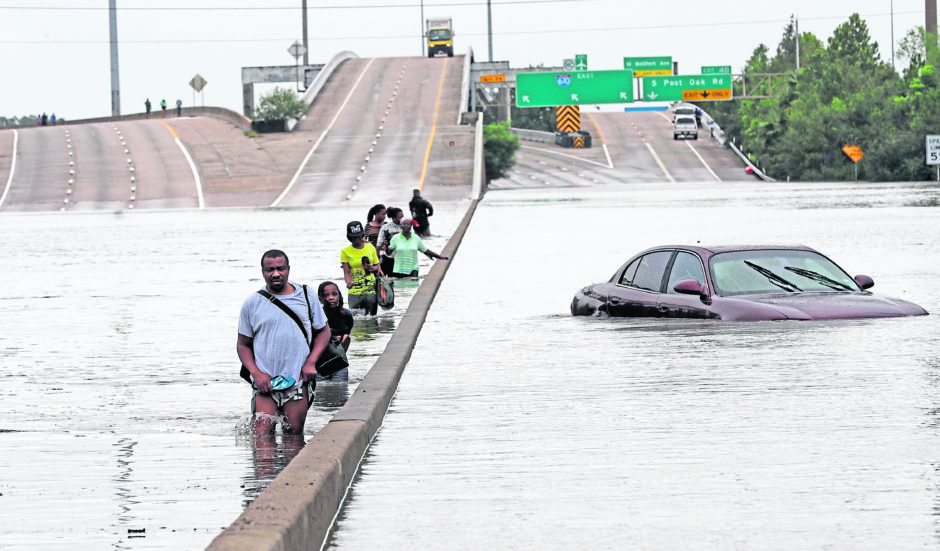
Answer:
(276, 352)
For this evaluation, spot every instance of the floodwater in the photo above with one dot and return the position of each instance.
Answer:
(517, 426)
(125, 424)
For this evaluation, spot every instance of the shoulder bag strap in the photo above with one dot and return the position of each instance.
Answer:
(290, 313)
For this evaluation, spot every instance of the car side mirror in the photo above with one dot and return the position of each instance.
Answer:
(864, 281)
(689, 287)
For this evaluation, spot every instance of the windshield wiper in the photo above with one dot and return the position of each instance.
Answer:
(773, 278)
(819, 278)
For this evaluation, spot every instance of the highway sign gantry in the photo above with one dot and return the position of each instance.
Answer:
(687, 88)
(573, 88)
(648, 66)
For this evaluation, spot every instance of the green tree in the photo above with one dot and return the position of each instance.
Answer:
(280, 104)
(499, 149)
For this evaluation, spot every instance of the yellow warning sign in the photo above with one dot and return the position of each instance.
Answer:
(493, 78)
(652, 73)
(578, 141)
(854, 153)
(704, 95)
(568, 118)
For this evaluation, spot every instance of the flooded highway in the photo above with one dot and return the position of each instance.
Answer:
(517, 426)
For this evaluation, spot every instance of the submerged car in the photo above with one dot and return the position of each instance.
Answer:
(739, 283)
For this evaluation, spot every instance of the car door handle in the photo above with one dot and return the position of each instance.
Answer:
(662, 308)
(614, 301)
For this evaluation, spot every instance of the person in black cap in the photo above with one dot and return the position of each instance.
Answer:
(420, 210)
(360, 264)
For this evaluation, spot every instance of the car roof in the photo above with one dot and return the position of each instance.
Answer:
(708, 250)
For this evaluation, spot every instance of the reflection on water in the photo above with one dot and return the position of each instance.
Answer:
(125, 422)
(539, 430)
(270, 454)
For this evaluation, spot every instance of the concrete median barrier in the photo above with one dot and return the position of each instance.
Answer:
(296, 511)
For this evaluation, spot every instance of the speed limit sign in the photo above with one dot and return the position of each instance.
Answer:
(933, 150)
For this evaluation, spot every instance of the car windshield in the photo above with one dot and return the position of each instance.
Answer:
(685, 111)
(439, 34)
(777, 271)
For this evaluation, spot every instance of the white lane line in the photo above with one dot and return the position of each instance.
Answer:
(659, 162)
(192, 166)
(712, 172)
(322, 136)
(12, 169)
(610, 164)
(566, 155)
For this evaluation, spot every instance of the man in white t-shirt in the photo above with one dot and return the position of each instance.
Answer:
(274, 349)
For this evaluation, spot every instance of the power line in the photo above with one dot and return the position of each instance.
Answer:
(287, 8)
(516, 32)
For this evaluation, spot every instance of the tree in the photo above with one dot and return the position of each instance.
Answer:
(499, 150)
(280, 104)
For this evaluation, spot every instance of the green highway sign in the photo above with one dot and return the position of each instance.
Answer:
(648, 66)
(573, 88)
(580, 62)
(716, 69)
(687, 88)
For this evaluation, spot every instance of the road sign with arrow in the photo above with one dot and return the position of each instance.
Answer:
(687, 88)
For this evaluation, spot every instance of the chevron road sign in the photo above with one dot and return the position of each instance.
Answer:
(573, 88)
(568, 118)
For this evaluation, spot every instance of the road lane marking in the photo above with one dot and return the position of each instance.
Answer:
(659, 162)
(12, 169)
(610, 163)
(437, 106)
(300, 169)
(712, 172)
(192, 165)
(564, 155)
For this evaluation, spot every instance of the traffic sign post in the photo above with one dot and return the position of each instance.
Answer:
(716, 69)
(574, 88)
(855, 153)
(580, 62)
(297, 50)
(648, 66)
(568, 64)
(933, 152)
(687, 88)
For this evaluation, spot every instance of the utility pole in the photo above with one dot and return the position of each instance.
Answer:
(489, 25)
(797, 22)
(424, 29)
(115, 77)
(306, 48)
(930, 13)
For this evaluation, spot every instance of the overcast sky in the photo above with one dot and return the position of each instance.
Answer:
(55, 53)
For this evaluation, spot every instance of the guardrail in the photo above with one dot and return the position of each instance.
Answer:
(320, 80)
(465, 85)
(534, 135)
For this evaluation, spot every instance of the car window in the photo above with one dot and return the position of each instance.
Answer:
(650, 271)
(685, 120)
(776, 271)
(686, 266)
(627, 277)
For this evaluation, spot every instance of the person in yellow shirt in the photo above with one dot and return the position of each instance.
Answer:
(360, 263)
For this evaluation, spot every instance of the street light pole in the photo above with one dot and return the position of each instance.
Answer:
(423, 29)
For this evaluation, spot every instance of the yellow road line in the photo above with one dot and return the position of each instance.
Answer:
(437, 106)
(170, 128)
(610, 163)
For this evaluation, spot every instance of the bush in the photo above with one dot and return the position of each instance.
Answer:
(280, 104)
(499, 150)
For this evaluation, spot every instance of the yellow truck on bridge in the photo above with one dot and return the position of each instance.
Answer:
(440, 35)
